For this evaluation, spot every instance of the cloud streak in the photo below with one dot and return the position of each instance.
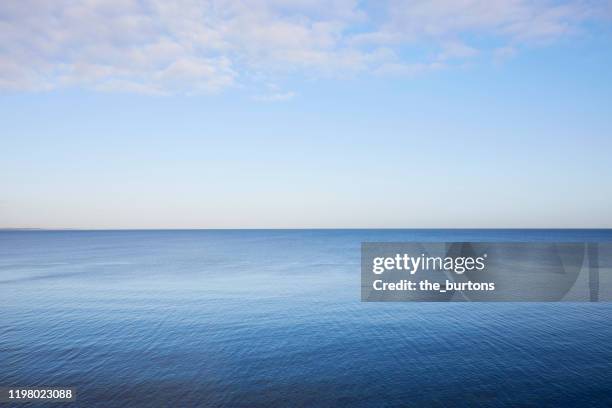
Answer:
(192, 47)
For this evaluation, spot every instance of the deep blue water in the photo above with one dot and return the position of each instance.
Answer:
(273, 318)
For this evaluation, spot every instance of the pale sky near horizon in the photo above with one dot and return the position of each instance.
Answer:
(312, 113)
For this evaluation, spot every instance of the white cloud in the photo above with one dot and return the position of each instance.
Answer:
(190, 46)
(513, 19)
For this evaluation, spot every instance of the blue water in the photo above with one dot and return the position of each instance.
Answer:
(273, 318)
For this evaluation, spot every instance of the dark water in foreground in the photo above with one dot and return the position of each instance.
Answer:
(273, 318)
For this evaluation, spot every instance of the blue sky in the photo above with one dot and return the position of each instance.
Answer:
(208, 114)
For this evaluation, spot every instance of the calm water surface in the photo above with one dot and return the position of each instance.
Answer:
(273, 318)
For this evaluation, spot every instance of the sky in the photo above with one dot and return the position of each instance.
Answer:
(305, 114)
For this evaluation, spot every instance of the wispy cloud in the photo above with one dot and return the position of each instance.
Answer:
(189, 46)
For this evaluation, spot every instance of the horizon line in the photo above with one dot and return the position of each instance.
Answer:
(3, 229)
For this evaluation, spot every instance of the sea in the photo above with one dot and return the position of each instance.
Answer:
(273, 318)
